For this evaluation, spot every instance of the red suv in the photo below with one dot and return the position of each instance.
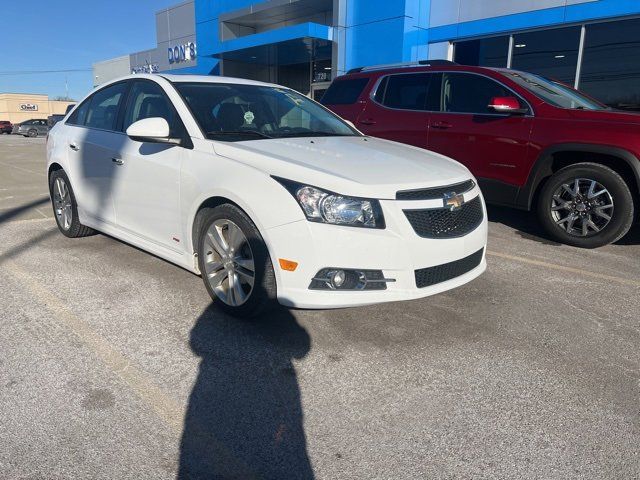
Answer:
(5, 126)
(531, 142)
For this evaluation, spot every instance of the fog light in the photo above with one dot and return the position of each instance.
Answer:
(337, 278)
(348, 279)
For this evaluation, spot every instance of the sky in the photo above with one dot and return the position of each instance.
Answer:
(70, 35)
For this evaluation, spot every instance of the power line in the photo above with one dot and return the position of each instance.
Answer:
(39, 72)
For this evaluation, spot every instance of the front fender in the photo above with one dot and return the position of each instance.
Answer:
(263, 199)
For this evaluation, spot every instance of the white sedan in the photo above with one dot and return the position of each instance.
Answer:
(265, 193)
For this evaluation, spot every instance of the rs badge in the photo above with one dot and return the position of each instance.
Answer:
(453, 201)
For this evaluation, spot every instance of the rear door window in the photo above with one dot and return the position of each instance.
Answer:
(407, 91)
(103, 110)
(148, 100)
(344, 92)
(79, 115)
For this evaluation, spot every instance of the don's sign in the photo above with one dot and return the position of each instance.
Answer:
(182, 53)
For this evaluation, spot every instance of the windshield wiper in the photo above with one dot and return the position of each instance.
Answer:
(314, 134)
(253, 133)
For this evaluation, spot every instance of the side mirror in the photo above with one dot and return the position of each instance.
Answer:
(151, 130)
(507, 105)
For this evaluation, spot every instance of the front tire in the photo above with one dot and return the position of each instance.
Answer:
(65, 208)
(586, 205)
(235, 262)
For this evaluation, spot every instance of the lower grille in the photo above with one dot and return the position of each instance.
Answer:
(445, 223)
(426, 277)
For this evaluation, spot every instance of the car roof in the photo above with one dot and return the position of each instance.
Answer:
(194, 79)
(213, 79)
(373, 71)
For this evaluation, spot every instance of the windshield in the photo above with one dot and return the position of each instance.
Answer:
(552, 92)
(236, 112)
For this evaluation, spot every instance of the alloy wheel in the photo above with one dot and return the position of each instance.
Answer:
(229, 262)
(583, 208)
(62, 203)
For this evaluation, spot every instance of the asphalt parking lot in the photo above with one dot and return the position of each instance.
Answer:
(113, 364)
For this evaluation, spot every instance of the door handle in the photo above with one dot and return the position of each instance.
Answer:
(441, 125)
(368, 121)
(117, 161)
(74, 147)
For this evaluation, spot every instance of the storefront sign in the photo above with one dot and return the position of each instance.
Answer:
(322, 76)
(182, 53)
(28, 107)
(149, 68)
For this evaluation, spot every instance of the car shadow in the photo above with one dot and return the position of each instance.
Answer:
(244, 418)
(19, 210)
(633, 237)
(527, 226)
(524, 223)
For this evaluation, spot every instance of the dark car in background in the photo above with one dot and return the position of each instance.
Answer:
(32, 128)
(5, 126)
(531, 142)
(53, 119)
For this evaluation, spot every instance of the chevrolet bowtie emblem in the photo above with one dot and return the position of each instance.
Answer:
(453, 201)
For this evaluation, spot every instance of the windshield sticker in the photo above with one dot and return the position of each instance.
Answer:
(249, 117)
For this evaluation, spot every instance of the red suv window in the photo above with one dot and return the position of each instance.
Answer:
(409, 91)
(344, 92)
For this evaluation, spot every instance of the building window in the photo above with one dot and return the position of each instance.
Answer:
(611, 64)
(550, 53)
(487, 52)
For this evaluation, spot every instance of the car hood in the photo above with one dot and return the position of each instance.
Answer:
(357, 166)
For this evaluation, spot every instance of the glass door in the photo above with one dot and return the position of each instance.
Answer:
(318, 90)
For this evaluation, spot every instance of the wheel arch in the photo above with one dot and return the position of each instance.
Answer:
(209, 203)
(52, 168)
(221, 197)
(554, 158)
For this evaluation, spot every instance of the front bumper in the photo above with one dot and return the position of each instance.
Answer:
(397, 250)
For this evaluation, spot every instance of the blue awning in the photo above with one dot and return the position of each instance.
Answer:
(292, 45)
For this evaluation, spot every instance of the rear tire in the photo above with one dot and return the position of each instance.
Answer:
(235, 263)
(65, 208)
(586, 205)
(32, 133)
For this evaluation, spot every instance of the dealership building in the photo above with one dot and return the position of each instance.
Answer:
(304, 44)
(19, 107)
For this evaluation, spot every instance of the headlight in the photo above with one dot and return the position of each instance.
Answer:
(327, 207)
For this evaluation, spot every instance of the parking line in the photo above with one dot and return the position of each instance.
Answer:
(33, 172)
(166, 407)
(41, 213)
(562, 268)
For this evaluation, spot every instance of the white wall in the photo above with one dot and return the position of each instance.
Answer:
(447, 12)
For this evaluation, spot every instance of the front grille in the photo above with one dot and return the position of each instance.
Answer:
(445, 223)
(427, 277)
(435, 192)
